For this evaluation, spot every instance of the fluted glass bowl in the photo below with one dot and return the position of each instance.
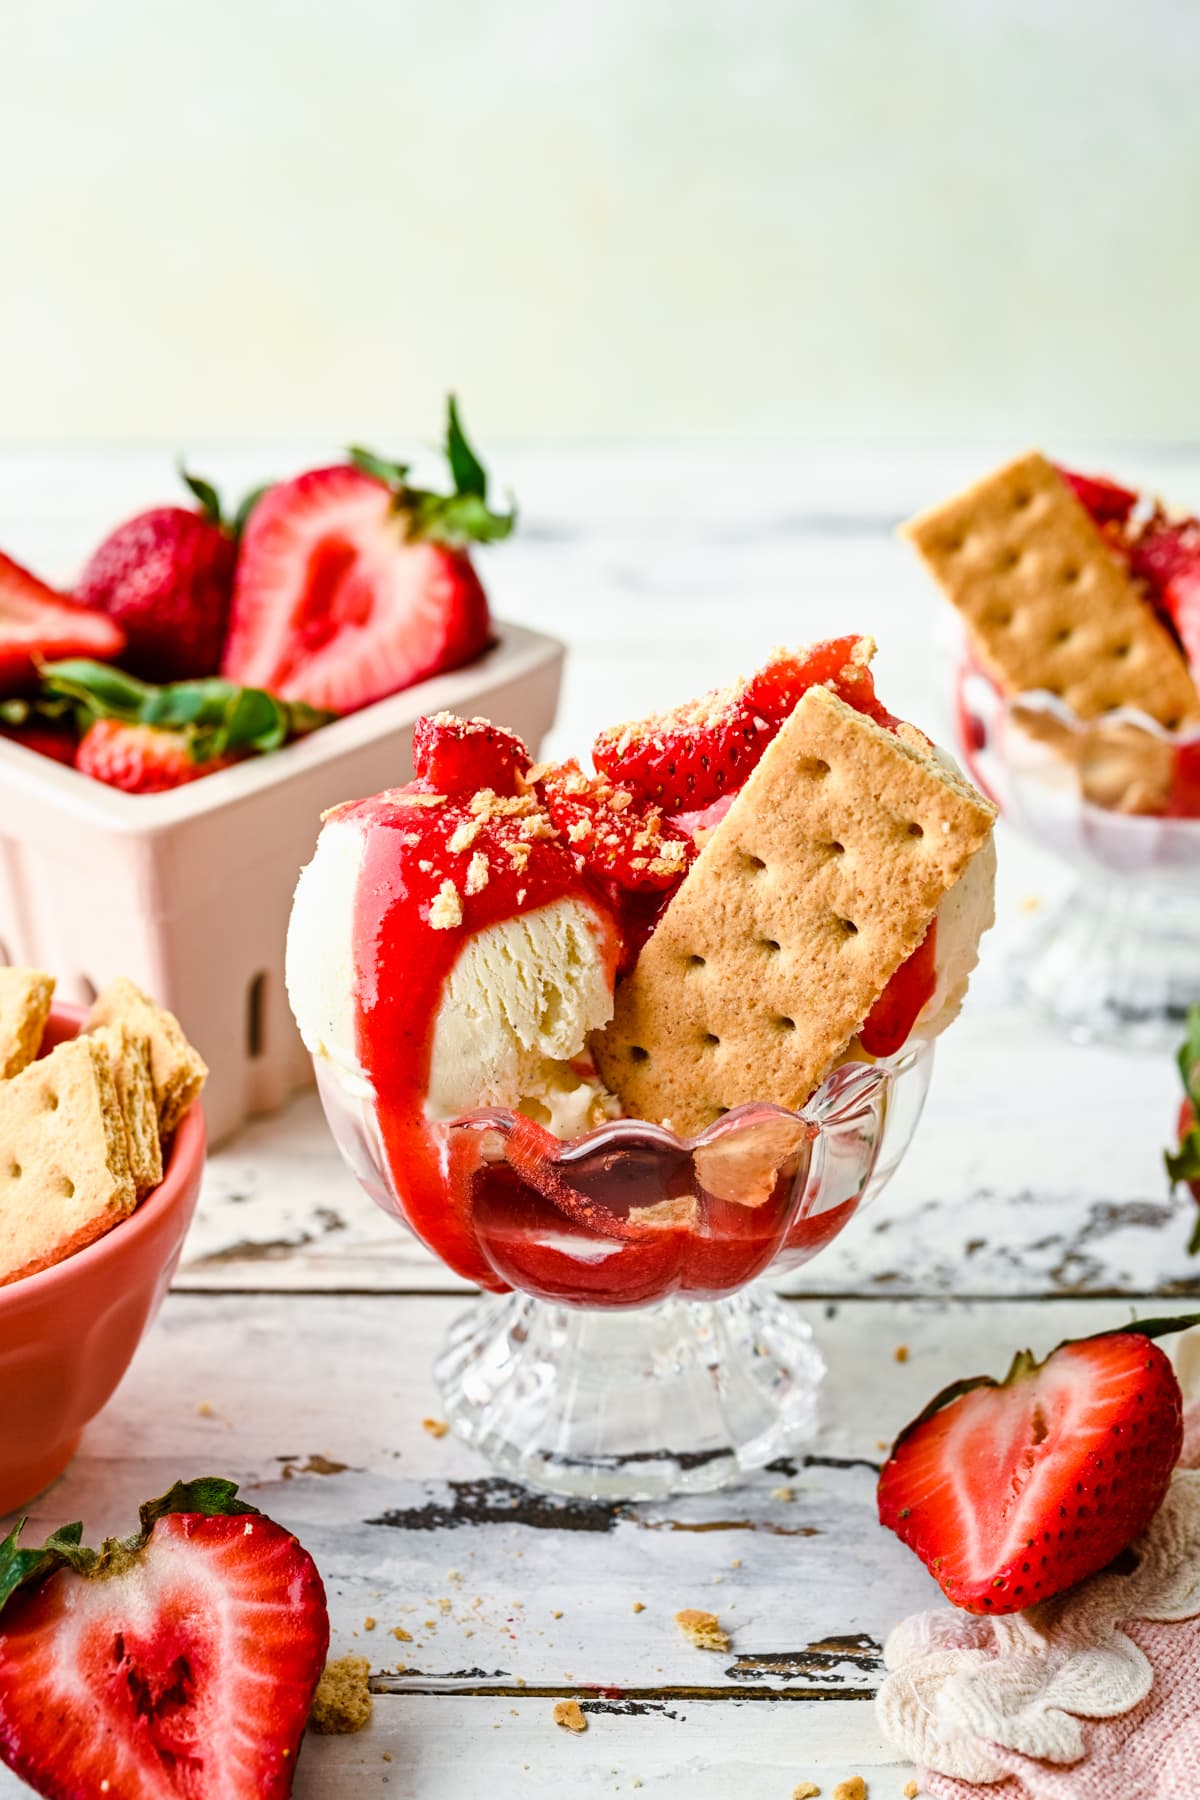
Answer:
(1118, 798)
(624, 1350)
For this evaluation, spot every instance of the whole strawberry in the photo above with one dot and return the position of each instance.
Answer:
(1183, 1163)
(181, 1661)
(166, 576)
(141, 759)
(1011, 1491)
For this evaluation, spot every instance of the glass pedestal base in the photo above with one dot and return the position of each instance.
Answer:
(680, 1398)
(1115, 962)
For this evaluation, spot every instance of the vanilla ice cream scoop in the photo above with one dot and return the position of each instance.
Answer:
(517, 1004)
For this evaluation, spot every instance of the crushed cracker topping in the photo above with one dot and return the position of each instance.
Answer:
(463, 835)
(570, 1715)
(703, 1629)
(446, 911)
(478, 872)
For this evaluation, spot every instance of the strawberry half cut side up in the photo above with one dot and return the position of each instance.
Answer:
(36, 624)
(685, 760)
(352, 583)
(1011, 1491)
(181, 1661)
(1183, 1163)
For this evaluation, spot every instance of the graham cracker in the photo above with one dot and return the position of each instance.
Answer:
(818, 883)
(129, 1054)
(64, 1160)
(178, 1071)
(1047, 604)
(25, 996)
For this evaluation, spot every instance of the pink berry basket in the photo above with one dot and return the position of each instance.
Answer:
(189, 892)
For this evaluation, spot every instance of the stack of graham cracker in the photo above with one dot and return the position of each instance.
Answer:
(808, 896)
(82, 1129)
(1049, 608)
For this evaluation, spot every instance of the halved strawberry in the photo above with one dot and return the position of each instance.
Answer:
(1167, 557)
(462, 756)
(1011, 1491)
(686, 759)
(351, 584)
(1183, 1163)
(1103, 499)
(620, 839)
(37, 625)
(179, 1662)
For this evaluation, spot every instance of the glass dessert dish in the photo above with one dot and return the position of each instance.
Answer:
(624, 1350)
(1118, 798)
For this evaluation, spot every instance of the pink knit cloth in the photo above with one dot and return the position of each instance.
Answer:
(1151, 1752)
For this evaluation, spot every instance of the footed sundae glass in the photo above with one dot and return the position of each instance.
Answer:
(1118, 798)
(624, 1348)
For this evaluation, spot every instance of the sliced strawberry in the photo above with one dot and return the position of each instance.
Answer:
(463, 756)
(890, 1021)
(1107, 503)
(141, 759)
(37, 625)
(619, 839)
(1011, 1491)
(351, 584)
(1183, 1163)
(179, 1662)
(686, 759)
(1167, 557)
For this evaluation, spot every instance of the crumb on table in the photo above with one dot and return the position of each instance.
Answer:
(342, 1701)
(404, 1637)
(805, 1790)
(783, 1493)
(437, 1428)
(911, 1790)
(901, 1353)
(638, 1606)
(703, 1629)
(570, 1715)
(855, 1788)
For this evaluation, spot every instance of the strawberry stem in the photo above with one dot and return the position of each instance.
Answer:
(455, 520)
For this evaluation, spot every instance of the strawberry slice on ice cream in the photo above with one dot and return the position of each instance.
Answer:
(179, 1662)
(352, 584)
(37, 625)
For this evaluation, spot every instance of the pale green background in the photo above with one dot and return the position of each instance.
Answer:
(651, 220)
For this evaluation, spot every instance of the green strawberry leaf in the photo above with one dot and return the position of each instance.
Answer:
(470, 476)
(1188, 1058)
(18, 1567)
(204, 492)
(1184, 1164)
(393, 474)
(249, 502)
(211, 1495)
(215, 717)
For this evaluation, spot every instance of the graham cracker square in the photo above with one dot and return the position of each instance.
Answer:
(818, 883)
(177, 1070)
(64, 1159)
(25, 996)
(1047, 605)
(129, 1054)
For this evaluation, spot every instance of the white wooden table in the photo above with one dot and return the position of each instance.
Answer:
(294, 1352)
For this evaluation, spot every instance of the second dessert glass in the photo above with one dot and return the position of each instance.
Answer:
(1118, 798)
(627, 1352)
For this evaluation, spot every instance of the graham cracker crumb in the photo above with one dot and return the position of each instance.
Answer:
(463, 835)
(853, 1789)
(368, 1623)
(437, 1428)
(205, 1409)
(556, 1614)
(570, 1715)
(478, 874)
(783, 1493)
(805, 1790)
(402, 1636)
(703, 1629)
(911, 1790)
(342, 1702)
(445, 914)
(901, 1353)
(638, 1607)
(1032, 903)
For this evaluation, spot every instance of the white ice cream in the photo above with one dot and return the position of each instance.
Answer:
(518, 1004)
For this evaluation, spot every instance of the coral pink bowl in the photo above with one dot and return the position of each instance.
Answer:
(68, 1334)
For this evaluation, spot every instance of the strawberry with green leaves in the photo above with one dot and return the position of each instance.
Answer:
(353, 583)
(181, 1661)
(1183, 1163)
(1010, 1491)
(148, 739)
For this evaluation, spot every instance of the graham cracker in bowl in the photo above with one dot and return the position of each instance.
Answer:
(178, 1071)
(25, 996)
(816, 885)
(1047, 605)
(129, 1054)
(64, 1159)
